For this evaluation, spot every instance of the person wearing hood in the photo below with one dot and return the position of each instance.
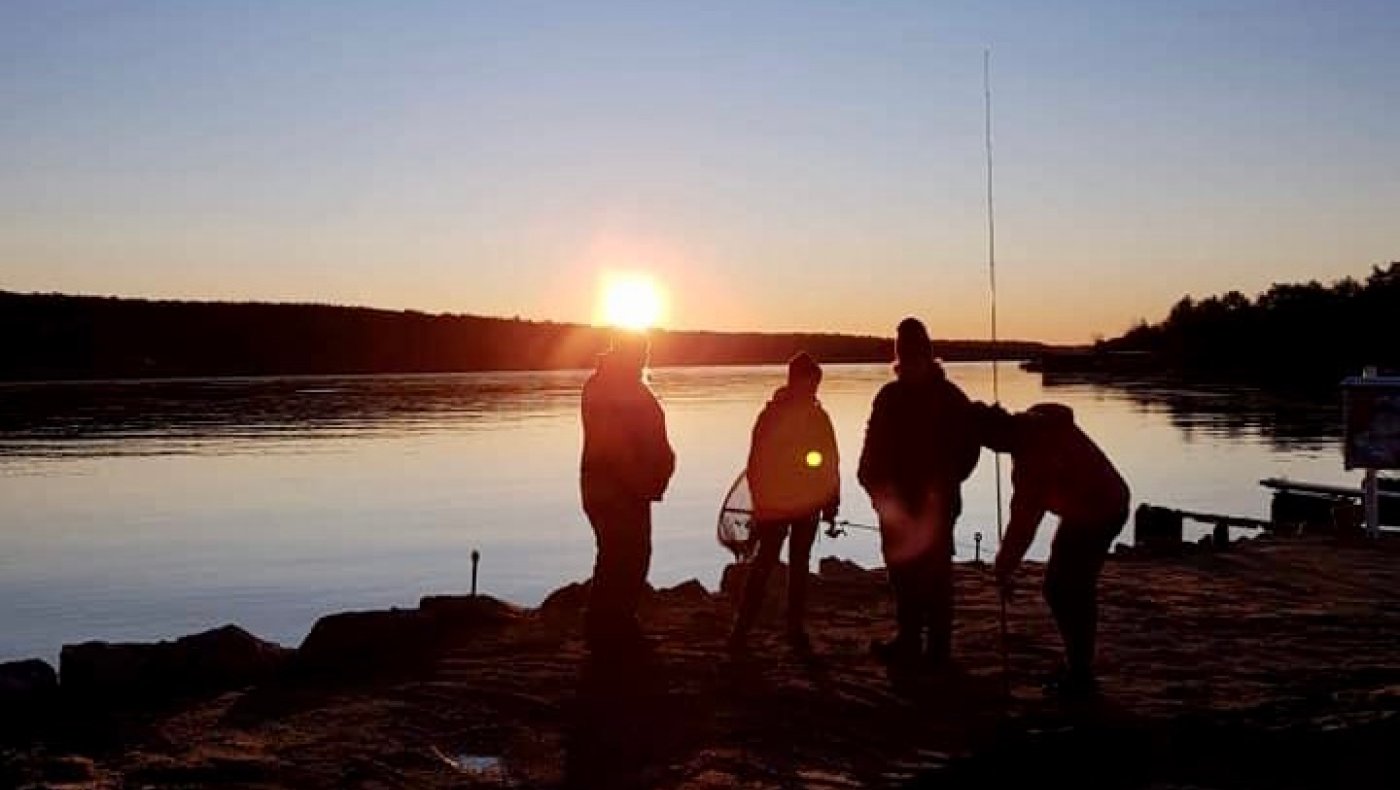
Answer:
(1057, 468)
(921, 443)
(794, 478)
(627, 464)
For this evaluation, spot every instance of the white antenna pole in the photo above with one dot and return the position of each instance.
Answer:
(992, 263)
(996, 378)
(991, 215)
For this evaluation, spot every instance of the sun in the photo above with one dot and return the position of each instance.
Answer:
(632, 302)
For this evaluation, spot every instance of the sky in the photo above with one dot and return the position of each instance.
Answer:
(774, 165)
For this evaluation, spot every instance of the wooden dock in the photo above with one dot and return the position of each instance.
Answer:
(1298, 502)
(1320, 489)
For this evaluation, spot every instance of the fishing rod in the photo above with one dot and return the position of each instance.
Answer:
(836, 529)
(996, 378)
(844, 524)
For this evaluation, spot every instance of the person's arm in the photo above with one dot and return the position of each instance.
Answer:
(962, 421)
(1027, 510)
(757, 468)
(666, 454)
(873, 470)
(831, 468)
(656, 459)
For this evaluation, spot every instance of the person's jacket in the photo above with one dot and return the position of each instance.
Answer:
(793, 467)
(1061, 470)
(625, 450)
(922, 436)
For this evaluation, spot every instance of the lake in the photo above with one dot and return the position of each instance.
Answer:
(149, 509)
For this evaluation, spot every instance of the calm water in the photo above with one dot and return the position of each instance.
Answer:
(148, 510)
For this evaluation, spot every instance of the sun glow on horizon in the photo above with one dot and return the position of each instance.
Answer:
(631, 301)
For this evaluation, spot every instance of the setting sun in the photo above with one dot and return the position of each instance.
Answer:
(631, 302)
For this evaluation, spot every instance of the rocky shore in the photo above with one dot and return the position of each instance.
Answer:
(1273, 664)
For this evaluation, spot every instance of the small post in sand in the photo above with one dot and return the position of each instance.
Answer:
(476, 561)
(1370, 495)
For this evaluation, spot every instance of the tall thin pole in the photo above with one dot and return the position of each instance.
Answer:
(991, 229)
(996, 372)
(992, 261)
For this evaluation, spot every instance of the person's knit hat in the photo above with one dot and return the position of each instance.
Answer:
(803, 368)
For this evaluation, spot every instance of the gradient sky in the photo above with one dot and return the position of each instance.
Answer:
(778, 165)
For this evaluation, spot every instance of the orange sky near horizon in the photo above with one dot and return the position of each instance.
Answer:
(1047, 300)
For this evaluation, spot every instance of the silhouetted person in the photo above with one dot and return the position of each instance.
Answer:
(794, 478)
(920, 444)
(627, 464)
(1057, 468)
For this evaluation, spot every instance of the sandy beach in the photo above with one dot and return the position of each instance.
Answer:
(1273, 664)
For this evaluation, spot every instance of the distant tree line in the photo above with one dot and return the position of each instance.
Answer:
(1309, 332)
(46, 336)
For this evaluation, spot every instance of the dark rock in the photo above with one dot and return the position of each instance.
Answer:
(357, 642)
(838, 570)
(567, 600)
(226, 658)
(460, 611)
(25, 683)
(28, 693)
(687, 593)
(1306, 512)
(572, 599)
(105, 669)
(68, 770)
(1157, 529)
(223, 658)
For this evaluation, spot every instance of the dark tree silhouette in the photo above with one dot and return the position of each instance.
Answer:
(1308, 333)
(77, 337)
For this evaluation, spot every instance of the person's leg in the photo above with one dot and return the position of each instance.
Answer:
(804, 534)
(939, 592)
(900, 544)
(770, 545)
(603, 597)
(634, 562)
(909, 611)
(1071, 590)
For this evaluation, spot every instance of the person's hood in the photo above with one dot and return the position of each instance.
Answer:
(1056, 414)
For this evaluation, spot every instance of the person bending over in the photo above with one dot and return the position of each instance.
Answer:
(1057, 468)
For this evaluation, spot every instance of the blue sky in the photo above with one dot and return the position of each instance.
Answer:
(776, 165)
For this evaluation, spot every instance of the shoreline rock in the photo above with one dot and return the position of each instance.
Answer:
(219, 659)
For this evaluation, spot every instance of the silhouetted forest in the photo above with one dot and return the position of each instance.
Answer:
(1309, 333)
(75, 337)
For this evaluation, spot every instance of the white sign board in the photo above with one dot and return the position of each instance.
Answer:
(1372, 409)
